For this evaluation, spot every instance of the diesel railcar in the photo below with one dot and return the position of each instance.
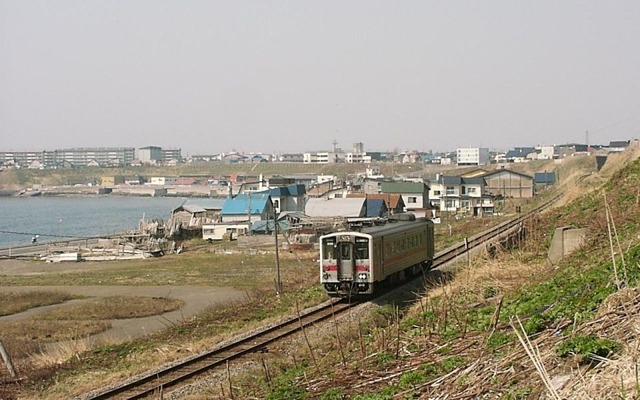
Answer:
(355, 263)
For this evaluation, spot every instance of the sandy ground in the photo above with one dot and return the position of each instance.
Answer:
(196, 299)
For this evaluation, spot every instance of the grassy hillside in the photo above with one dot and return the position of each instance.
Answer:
(456, 338)
(512, 327)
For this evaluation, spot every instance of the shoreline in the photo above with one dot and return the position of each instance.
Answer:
(85, 191)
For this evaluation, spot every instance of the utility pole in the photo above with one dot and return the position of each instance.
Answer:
(275, 230)
(249, 213)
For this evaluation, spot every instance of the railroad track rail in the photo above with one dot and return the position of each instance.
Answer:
(490, 234)
(156, 383)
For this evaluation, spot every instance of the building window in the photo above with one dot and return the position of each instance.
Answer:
(451, 190)
(436, 192)
(471, 190)
(412, 199)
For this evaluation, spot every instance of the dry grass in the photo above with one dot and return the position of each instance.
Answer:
(114, 307)
(13, 303)
(42, 332)
(32, 333)
(112, 362)
(497, 276)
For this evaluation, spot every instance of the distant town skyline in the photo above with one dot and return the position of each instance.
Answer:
(286, 76)
(328, 149)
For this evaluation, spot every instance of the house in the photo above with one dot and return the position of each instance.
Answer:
(324, 189)
(188, 216)
(112, 180)
(233, 158)
(212, 207)
(185, 182)
(220, 231)
(508, 183)
(291, 157)
(372, 185)
(288, 198)
(35, 164)
(342, 207)
(415, 195)
(247, 207)
(461, 194)
(134, 180)
(393, 203)
(521, 154)
(376, 208)
(163, 180)
(258, 158)
(617, 145)
(543, 179)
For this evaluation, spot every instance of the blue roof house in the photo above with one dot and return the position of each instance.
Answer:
(247, 207)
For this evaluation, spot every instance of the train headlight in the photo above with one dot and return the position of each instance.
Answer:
(362, 277)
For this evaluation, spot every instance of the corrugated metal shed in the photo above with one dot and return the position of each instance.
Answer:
(339, 207)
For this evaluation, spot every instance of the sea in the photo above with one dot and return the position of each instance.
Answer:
(53, 218)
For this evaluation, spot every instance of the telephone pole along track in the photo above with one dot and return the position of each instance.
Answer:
(156, 383)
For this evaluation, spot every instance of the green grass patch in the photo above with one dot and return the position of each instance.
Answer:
(285, 386)
(585, 347)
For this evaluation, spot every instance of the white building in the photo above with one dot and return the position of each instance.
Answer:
(472, 156)
(163, 180)
(546, 153)
(336, 155)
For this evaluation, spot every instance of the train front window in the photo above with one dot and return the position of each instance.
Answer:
(345, 251)
(362, 249)
(329, 246)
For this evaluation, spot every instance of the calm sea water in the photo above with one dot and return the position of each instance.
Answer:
(54, 218)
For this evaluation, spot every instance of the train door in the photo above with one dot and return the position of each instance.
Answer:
(346, 267)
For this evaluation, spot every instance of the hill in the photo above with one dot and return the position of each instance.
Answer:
(14, 179)
(511, 327)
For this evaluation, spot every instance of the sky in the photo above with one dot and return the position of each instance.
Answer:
(294, 76)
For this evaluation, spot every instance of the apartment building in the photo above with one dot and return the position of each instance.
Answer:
(472, 156)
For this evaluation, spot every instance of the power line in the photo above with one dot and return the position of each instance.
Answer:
(611, 125)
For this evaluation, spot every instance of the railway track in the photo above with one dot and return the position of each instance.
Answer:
(156, 383)
(482, 238)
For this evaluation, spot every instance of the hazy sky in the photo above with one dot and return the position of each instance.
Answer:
(293, 76)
